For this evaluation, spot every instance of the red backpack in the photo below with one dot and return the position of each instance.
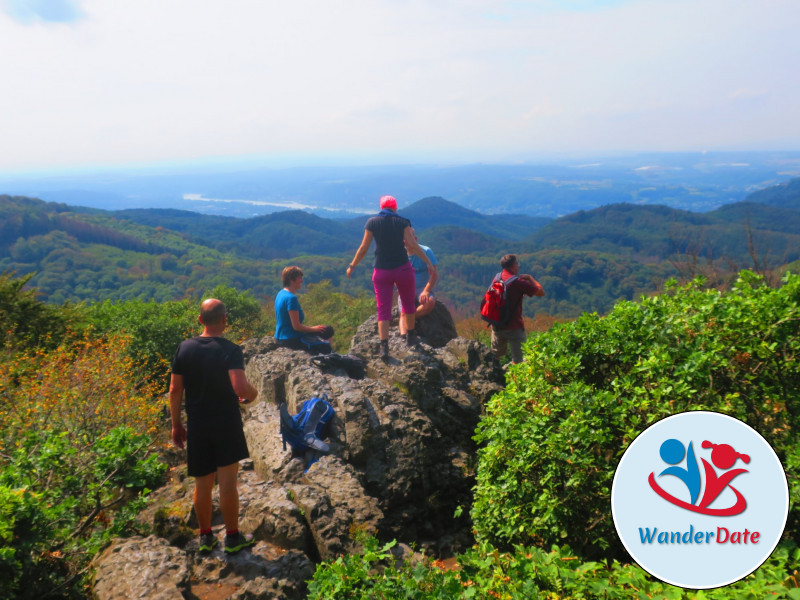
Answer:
(495, 308)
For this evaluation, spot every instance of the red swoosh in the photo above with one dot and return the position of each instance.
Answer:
(737, 508)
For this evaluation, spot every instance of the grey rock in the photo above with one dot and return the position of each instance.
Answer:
(438, 327)
(141, 568)
(400, 463)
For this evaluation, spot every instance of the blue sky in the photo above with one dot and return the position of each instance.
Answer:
(94, 83)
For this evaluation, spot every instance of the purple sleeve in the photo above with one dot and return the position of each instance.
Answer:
(528, 288)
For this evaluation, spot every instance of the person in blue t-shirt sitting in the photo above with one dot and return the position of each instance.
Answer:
(289, 328)
(423, 285)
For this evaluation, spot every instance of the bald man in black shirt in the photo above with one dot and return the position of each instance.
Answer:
(210, 369)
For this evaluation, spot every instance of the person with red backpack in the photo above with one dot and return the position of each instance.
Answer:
(512, 331)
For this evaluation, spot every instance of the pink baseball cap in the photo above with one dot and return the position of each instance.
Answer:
(388, 202)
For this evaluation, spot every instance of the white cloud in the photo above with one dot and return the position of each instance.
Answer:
(177, 79)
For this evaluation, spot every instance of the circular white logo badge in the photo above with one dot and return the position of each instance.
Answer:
(699, 500)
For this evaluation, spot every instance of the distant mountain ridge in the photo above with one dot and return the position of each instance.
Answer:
(586, 260)
(437, 212)
(291, 233)
(658, 231)
(784, 195)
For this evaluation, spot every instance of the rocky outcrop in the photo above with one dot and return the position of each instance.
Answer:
(400, 463)
(437, 328)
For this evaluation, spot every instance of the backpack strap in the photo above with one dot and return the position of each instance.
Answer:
(317, 411)
(287, 423)
(510, 280)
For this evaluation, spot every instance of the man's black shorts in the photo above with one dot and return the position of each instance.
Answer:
(213, 445)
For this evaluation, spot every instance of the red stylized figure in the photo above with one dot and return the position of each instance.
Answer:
(724, 457)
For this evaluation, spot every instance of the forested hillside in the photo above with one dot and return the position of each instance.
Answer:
(79, 461)
(786, 195)
(586, 261)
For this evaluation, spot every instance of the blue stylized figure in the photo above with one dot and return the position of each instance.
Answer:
(672, 452)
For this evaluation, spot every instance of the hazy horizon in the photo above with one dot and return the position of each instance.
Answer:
(690, 181)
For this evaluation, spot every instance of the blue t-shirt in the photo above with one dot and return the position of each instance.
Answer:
(421, 269)
(284, 302)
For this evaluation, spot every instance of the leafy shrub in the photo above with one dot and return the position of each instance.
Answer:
(61, 500)
(373, 573)
(245, 314)
(553, 437)
(24, 522)
(76, 457)
(527, 573)
(24, 320)
(154, 329)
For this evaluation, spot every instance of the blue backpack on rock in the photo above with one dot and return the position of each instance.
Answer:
(308, 427)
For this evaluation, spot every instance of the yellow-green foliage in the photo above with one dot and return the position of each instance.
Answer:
(84, 387)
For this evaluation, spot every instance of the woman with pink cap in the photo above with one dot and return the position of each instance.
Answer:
(394, 241)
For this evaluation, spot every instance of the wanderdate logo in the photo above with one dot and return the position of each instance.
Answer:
(699, 500)
(723, 457)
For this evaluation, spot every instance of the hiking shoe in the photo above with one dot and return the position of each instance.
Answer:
(238, 541)
(208, 541)
(312, 441)
(384, 354)
(412, 341)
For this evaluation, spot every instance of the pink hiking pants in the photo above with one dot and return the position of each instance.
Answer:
(384, 281)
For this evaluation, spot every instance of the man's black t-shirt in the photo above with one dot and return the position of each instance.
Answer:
(387, 229)
(204, 363)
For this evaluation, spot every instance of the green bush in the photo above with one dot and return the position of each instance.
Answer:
(552, 439)
(527, 573)
(156, 328)
(61, 502)
(25, 571)
(24, 320)
(373, 573)
(246, 318)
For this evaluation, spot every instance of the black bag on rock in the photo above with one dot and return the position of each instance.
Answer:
(355, 367)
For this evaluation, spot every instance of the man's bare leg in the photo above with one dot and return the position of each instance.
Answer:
(202, 500)
(229, 495)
